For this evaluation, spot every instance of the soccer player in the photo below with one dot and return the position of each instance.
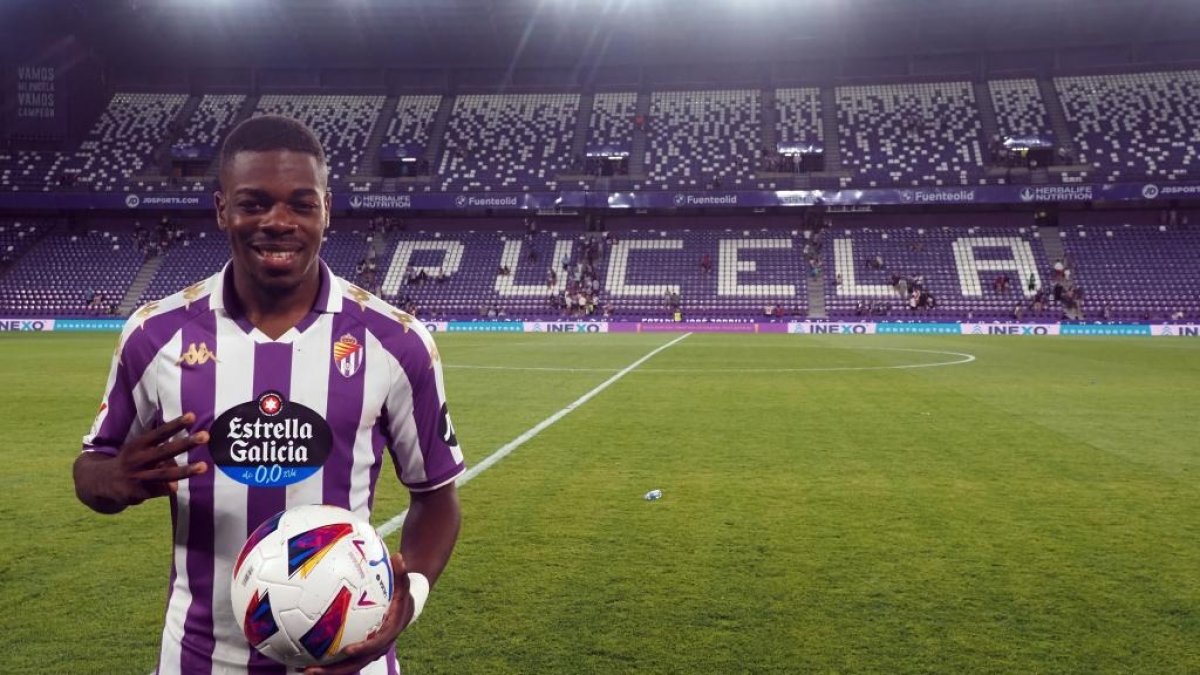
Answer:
(200, 379)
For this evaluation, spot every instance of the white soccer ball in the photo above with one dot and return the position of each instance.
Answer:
(308, 582)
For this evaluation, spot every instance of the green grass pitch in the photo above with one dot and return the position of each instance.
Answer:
(1035, 510)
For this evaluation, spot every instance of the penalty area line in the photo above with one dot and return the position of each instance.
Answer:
(394, 524)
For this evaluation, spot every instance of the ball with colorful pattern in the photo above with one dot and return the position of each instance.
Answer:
(308, 582)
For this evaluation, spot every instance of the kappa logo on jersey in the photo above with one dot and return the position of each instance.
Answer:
(196, 356)
(270, 441)
(348, 354)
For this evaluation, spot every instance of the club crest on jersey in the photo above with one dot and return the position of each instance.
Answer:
(348, 355)
(270, 441)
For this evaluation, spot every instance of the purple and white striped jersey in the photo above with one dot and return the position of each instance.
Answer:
(303, 419)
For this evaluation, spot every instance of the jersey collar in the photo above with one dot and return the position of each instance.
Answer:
(329, 296)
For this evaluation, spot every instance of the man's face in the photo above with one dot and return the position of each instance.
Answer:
(274, 206)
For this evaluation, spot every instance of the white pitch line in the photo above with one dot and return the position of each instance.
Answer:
(962, 358)
(395, 523)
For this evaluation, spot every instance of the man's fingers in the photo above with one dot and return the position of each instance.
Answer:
(358, 656)
(168, 429)
(171, 473)
(178, 446)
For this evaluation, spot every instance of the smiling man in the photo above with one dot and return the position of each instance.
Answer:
(276, 336)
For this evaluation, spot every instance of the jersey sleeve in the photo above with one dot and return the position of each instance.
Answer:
(420, 433)
(119, 417)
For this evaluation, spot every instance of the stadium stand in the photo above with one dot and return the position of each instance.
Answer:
(1123, 260)
(72, 273)
(799, 118)
(18, 235)
(1139, 272)
(471, 260)
(29, 171)
(508, 142)
(635, 272)
(611, 125)
(1130, 127)
(1020, 110)
(1136, 126)
(703, 139)
(343, 124)
(121, 143)
(204, 250)
(910, 134)
(408, 132)
(943, 259)
(211, 121)
(751, 270)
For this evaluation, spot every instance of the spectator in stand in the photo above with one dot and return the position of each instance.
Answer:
(706, 263)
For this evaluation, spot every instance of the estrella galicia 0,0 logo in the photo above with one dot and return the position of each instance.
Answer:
(270, 441)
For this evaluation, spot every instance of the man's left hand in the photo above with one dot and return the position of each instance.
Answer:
(399, 614)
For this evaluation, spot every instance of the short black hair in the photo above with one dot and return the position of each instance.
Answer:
(270, 132)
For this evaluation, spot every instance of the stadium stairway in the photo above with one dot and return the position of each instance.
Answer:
(769, 118)
(368, 165)
(140, 283)
(987, 111)
(248, 108)
(829, 127)
(1058, 117)
(816, 297)
(637, 153)
(582, 124)
(1052, 243)
(159, 165)
(437, 132)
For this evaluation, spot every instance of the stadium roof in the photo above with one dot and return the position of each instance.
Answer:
(527, 33)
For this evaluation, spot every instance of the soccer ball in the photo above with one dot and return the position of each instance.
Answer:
(308, 582)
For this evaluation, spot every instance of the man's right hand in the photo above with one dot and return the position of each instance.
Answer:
(142, 469)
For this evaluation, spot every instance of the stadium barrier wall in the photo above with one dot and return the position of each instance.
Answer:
(46, 325)
(666, 199)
